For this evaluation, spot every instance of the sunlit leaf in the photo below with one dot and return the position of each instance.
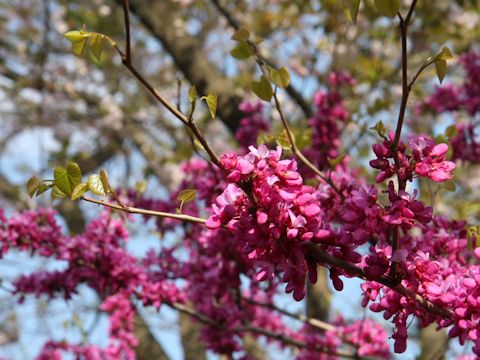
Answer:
(79, 191)
(441, 67)
(95, 185)
(388, 8)
(338, 160)
(187, 195)
(353, 7)
(242, 51)
(263, 89)
(241, 34)
(281, 77)
(192, 94)
(57, 193)
(211, 100)
(32, 186)
(96, 45)
(105, 182)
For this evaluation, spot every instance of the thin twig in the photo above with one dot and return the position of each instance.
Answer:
(265, 332)
(297, 152)
(128, 49)
(318, 324)
(134, 210)
(402, 183)
(126, 61)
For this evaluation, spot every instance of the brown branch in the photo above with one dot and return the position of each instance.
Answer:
(128, 48)
(170, 107)
(315, 253)
(134, 210)
(402, 183)
(318, 324)
(261, 331)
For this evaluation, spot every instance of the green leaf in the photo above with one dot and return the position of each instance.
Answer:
(32, 186)
(444, 54)
(187, 195)
(281, 77)
(241, 34)
(74, 173)
(283, 141)
(141, 186)
(96, 45)
(334, 162)
(263, 89)
(451, 131)
(242, 51)
(388, 8)
(380, 129)
(76, 36)
(42, 187)
(95, 185)
(105, 182)
(192, 94)
(353, 7)
(79, 40)
(61, 181)
(211, 100)
(79, 191)
(67, 179)
(57, 193)
(441, 67)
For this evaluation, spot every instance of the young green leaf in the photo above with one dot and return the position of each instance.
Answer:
(242, 51)
(79, 191)
(281, 77)
(74, 173)
(67, 178)
(241, 34)
(32, 186)
(79, 40)
(211, 100)
(61, 181)
(57, 193)
(380, 129)
(187, 195)
(283, 141)
(334, 162)
(441, 67)
(95, 185)
(42, 187)
(105, 182)
(192, 94)
(388, 8)
(444, 54)
(353, 7)
(263, 89)
(96, 45)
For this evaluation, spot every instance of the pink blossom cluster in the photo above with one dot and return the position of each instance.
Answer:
(327, 122)
(96, 258)
(422, 158)
(272, 222)
(437, 266)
